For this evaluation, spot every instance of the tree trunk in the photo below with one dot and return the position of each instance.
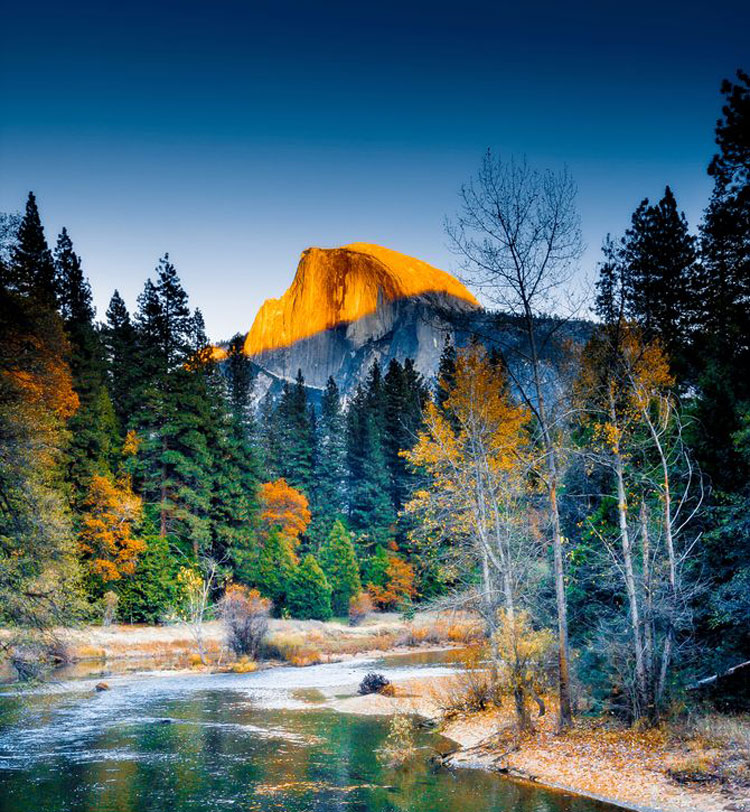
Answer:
(672, 560)
(563, 652)
(163, 496)
(566, 703)
(522, 714)
(630, 587)
(538, 699)
(648, 629)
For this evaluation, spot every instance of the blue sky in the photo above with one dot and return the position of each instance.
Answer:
(236, 134)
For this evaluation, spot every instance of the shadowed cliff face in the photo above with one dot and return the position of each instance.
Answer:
(340, 286)
(350, 306)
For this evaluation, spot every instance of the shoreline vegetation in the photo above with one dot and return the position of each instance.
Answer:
(698, 763)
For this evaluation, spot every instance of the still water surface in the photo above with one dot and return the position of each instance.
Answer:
(252, 742)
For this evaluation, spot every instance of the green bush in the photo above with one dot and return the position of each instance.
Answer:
(309, 593)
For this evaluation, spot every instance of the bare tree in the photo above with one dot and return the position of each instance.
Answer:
(519, 238)
(196, 586)
(635, 431)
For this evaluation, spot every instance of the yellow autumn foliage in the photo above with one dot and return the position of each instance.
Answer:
(621, 376)
(477, 444)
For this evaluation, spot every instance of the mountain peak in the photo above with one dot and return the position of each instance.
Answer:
(335, 286)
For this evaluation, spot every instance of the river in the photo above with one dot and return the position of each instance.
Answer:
(166, 742)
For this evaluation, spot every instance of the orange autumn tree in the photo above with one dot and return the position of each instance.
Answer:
(286, 509)
(106, 538)
(399, 585)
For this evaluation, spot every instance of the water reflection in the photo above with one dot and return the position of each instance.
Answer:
(239, 742)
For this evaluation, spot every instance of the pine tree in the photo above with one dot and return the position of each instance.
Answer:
(176, 419)
(723, 348)
(177, 326)
(610, 301)
(73, 288)
(339, 563)
(329, 493)
(405, 396)
(151, 593)
(297, 433)
(272, 570)
(94, 432)
(269, 438)
(309, 593)
(723, 343)
(241, 378)
(121, 352)
(234, 501)
(446, 374)
(371, 511)
(33, 270)
(659, 256)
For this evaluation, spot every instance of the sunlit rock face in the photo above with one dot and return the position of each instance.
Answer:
(350, 306)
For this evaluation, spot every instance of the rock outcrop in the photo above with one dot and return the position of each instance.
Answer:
(350, 306)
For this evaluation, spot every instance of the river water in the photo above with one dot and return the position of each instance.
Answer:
(263, 741)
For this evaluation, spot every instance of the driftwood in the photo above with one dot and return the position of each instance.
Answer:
(731, 687)
(485, 747)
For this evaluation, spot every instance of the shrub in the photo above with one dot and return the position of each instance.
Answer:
(110, 607)
(339, 563)
(412, 636)
(309, 594)
(522, 652)
(245, 615)
(244, 665)
(399, 744)
(32, 656)
(373, 683)
(473, 688)
(359, 607)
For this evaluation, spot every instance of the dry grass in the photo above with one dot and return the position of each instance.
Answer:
(294, 648)
(719, 730)
(89, 653)
(438, 632)
(296, 642)
(714, 748)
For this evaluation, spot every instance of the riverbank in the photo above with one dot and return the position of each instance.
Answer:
(123, 648)
(701, 768)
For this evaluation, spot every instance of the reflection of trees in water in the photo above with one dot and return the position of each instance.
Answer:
(202, 760)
